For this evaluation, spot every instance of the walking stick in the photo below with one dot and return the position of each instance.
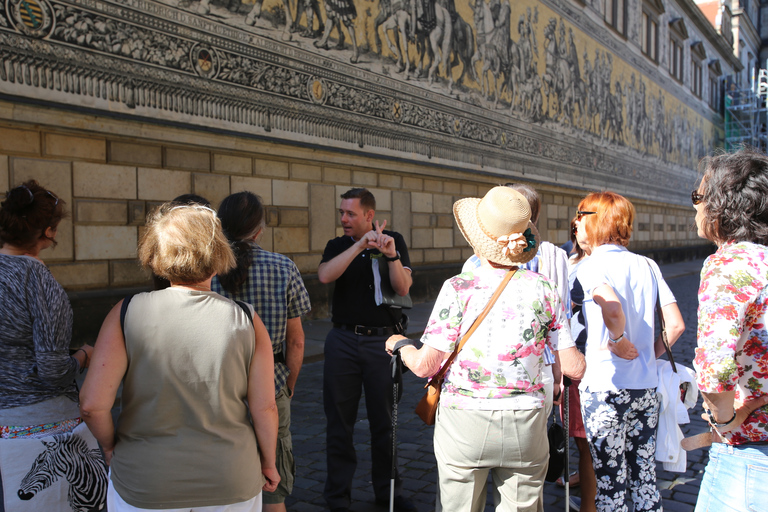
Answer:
(567, 471)
(397, 392)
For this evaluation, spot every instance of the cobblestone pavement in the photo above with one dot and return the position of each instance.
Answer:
(416, 456)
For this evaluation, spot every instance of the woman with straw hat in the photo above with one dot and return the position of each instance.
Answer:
(491, 414)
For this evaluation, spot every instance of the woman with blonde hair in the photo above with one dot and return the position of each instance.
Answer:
(194, 365)
(619, 403)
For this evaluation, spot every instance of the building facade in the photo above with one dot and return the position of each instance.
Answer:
(119, 105)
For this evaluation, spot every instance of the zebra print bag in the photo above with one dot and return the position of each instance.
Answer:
(60, 473)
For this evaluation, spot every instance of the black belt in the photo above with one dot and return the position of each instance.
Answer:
(364, 330)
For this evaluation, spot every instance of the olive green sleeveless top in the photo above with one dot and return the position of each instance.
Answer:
(183, 435)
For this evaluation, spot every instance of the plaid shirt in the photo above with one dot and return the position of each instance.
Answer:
(275, 289)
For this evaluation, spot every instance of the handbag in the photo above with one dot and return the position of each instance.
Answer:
(426, 409)
(557, 448)
(384, 294)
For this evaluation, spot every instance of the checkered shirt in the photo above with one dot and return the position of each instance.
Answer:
(275, 289)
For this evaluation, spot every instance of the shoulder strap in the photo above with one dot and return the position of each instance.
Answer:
(475, 324)
(123, 310)
(660, 318)
(246, 309)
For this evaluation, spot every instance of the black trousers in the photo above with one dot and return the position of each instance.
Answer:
(353, 363)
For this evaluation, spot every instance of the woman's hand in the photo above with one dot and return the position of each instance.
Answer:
(624, 349)
(83, 356)
(108, 455)
(742, 410)
(390, 345)
(273, 478)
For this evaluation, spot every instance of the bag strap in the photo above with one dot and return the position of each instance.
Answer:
(660, 318)
(123, 310)
(474, 326)
(246, 309)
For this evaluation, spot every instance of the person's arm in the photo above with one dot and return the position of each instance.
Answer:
(399, 276)
(615, 322)
(423, 362)
(572, 362)
(108, 366)
(674, 325)
(261, 402)
(331, 270)
(294, 351)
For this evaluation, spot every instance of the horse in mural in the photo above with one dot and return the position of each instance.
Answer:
(463, 48)
(492, 49)
(557, 78)
(422, 21)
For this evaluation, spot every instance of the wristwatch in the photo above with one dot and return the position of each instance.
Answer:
(395, 258)
(720, 425)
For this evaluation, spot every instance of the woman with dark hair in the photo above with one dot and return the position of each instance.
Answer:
(619, 403)
(38, 394)
(272, 284)
(198, 423)
(732, 356)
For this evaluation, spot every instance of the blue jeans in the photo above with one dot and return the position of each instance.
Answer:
(735, 479)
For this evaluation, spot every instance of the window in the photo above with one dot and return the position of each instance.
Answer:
(698, 54)
(677, 34)
(676, 59)
(715, 72)
(649, 38)
(696, 77)
(726, 27)
(616, 15)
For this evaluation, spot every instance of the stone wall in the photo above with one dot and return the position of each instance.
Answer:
(112, 172)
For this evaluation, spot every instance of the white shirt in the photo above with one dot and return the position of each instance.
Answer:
(630, 277)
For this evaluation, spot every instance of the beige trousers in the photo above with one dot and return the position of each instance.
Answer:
(510, 445)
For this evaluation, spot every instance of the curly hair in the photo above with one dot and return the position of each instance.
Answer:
(28, 210)
(735, 190)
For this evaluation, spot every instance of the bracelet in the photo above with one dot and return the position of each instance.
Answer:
(402, 343)
(617, 339)
(720, 425)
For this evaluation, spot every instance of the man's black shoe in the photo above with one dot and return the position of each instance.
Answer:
(401, 504)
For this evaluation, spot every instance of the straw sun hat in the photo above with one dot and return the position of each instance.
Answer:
(498, 226)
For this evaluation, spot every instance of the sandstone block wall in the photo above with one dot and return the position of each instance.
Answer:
(111, 173)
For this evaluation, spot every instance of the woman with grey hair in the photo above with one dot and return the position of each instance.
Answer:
(194, 367)
(731, 361)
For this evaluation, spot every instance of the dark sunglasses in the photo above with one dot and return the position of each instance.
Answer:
(580, 214)
(696, 198)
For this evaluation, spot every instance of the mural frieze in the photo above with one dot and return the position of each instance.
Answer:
(507, 85)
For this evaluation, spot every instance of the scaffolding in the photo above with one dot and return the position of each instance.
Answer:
(746, 112)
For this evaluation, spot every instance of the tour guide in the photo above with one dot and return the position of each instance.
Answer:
(354, 348)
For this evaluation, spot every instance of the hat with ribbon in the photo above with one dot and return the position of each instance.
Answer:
(498, 226)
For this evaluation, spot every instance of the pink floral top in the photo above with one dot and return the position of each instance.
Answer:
(732, 351)
(500, 366)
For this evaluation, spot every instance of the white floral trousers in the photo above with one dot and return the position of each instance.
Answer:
(621, 430)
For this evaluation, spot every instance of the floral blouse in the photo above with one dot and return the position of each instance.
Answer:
(732, 351)
(500, 366)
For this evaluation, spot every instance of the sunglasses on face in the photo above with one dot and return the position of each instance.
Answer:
(579, 215)
(696, 198)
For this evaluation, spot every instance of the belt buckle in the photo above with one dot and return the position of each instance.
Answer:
(364, 332)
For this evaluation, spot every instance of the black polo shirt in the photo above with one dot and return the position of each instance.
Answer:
(353, 297)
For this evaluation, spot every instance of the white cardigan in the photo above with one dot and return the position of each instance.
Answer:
(673, 412)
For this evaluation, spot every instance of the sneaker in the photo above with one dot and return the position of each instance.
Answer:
(575, 503)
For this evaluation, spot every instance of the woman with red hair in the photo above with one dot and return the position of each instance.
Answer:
(618, 391)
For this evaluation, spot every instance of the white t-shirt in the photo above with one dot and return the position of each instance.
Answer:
(630, 277)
